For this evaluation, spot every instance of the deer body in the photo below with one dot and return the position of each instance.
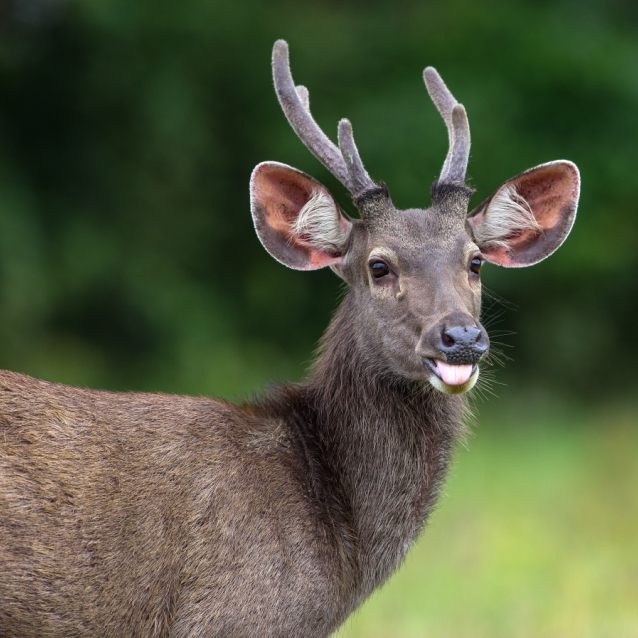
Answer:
(274, 519)
(154, 515)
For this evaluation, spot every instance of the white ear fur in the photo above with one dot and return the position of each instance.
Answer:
(507, 212)
(319, 222)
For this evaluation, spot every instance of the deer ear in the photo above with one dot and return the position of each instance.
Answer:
(296, 218)
(529, 216)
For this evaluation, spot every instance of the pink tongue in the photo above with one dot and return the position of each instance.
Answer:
(453, 375)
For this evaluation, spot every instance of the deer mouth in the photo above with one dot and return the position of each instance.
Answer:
(450, 378)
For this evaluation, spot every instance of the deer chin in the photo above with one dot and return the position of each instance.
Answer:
(452, 379)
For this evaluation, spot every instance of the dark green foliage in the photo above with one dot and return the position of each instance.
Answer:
(128, 131)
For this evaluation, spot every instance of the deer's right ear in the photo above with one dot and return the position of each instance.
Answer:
(296, 218)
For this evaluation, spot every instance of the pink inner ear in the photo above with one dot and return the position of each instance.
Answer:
(547, 189)
(282, 196)
(279, 193)
(551, 190)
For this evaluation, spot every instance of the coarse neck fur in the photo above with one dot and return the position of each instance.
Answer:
(375, 448)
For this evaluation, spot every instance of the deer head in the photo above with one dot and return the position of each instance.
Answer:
(414, 274)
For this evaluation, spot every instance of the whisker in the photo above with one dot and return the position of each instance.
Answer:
(490, 294)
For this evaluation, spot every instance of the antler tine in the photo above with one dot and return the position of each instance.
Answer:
(359, 177)
(453, 113)
(304, 96)
(300, 119)
(440, 94)
(458, 156)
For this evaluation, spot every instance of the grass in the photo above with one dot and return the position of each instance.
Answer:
(536, 536)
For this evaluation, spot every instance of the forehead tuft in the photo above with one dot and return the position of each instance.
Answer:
(375, 205)
(450, 198)
(443, 224)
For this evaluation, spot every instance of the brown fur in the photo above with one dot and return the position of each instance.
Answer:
(156, 515)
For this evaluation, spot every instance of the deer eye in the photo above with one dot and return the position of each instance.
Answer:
(475, 265)
(379, 268)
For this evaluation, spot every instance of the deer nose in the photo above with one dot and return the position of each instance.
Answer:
(463, 344)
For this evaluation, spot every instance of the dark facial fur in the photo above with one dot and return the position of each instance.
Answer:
(428, 251)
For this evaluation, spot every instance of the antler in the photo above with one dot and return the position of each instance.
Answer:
(343, 162)
(458, 128)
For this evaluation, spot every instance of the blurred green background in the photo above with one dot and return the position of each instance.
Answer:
(128, 261)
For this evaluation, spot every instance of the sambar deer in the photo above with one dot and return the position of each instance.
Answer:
(134, 515)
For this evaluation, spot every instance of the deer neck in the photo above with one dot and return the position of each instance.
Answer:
(380, 444)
